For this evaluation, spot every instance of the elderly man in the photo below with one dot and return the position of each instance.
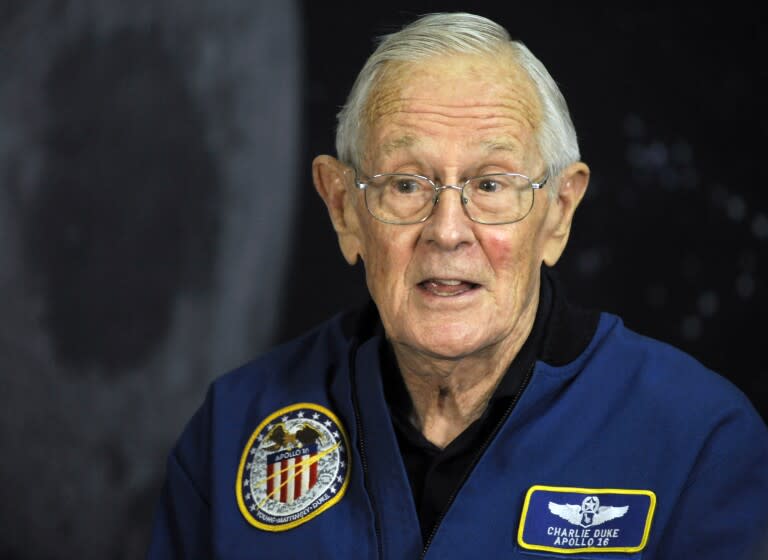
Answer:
(469, 411)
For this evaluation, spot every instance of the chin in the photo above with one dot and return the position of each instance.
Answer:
(452, 346)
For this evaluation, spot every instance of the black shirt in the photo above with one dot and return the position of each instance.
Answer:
(437, 474)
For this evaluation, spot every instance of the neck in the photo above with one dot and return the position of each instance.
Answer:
(449, 394)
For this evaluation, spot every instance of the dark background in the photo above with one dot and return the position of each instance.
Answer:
(158, 225)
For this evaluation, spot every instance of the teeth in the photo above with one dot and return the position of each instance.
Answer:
(446, 288)
(443, 294)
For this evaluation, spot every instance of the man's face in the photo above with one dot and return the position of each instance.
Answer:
(450, 287)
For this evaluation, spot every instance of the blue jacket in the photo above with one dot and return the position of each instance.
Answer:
(630, 450)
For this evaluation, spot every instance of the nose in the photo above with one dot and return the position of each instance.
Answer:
(449, 227)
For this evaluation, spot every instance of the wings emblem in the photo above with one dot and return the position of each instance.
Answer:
(589, 514)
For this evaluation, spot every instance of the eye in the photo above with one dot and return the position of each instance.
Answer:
(406, 186)
(489, 186)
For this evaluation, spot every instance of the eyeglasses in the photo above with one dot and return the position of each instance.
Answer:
(402, 199)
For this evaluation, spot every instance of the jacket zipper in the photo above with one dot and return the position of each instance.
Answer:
(472, 466)
(363, 458)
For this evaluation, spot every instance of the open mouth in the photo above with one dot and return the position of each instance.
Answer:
(447, 287)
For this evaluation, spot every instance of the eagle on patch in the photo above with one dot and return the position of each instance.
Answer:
(280, 437)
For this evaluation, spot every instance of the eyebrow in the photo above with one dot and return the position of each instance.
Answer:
(398, 143)
(500, 145)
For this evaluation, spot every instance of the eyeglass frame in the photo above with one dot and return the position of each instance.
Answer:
(534, 186)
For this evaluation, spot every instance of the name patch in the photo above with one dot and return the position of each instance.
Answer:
(294, 467)
(572, 520)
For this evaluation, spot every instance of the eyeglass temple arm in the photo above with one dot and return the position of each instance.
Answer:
(540, 184)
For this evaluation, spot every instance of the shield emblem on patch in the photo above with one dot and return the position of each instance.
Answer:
(292, 474)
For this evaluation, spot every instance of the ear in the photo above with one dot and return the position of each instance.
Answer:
(332, 180)
(573, 185)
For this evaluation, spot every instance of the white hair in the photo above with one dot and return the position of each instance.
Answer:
(460, 33)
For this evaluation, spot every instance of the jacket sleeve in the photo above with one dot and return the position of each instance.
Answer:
(181, 526)
(722, 512)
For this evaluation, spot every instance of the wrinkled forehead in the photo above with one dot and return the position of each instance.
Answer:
(490, 85)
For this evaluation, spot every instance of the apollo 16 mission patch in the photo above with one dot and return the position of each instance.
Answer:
(294, 466)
